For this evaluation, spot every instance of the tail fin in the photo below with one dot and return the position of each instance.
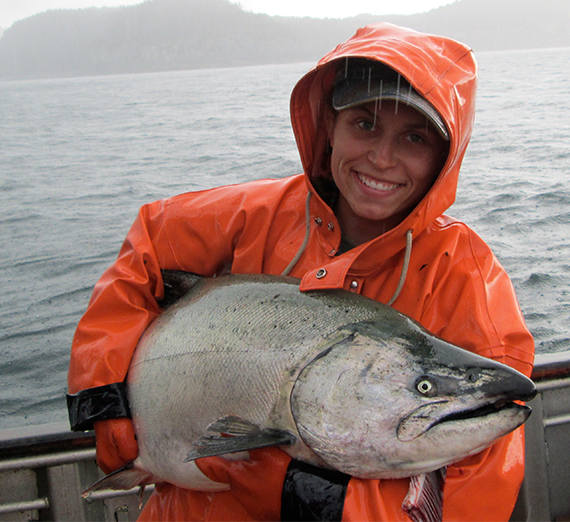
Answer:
(125, 478)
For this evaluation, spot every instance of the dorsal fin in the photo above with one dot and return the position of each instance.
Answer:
(177, 283)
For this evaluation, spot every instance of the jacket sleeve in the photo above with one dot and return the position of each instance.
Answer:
(124, 300)
(121, 307)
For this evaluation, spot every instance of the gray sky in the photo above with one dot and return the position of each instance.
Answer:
(12, 10)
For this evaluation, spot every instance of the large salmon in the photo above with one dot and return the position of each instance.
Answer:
(338, 380)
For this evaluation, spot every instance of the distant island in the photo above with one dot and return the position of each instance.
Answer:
(166, 35)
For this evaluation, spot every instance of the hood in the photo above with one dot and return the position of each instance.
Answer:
(442, 70)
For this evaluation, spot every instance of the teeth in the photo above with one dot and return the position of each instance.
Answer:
(378, 186)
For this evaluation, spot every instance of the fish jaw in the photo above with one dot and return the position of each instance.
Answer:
(495, 415)
(449, 441)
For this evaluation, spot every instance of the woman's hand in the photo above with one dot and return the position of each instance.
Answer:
(116, 443)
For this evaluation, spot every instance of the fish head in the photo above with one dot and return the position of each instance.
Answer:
(395, 404)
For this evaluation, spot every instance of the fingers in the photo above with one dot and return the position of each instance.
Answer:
(116, 443)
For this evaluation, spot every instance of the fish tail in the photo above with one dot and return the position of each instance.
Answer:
(125, 478)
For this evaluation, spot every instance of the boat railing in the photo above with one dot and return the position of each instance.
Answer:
(44, 469)
(545, 493)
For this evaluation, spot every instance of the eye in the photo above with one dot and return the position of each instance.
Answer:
(366, 125)
(416, 138)
(473, 375)
(426, 387)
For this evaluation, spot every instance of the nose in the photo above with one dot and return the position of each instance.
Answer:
(383, 152)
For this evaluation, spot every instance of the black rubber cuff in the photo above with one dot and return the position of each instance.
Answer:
(95, 404)
(312, 494)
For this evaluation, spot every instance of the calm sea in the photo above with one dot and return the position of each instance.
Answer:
(79, 156)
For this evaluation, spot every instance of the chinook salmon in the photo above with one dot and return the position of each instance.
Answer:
(336, 379)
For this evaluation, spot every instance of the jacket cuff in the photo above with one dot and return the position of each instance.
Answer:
(95, 404)
(313, 494)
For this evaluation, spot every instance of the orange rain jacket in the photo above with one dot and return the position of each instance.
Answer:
(454, 286)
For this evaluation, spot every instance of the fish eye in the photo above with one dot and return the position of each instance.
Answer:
(425, 386)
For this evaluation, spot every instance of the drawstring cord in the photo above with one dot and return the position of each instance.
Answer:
(299, 253)
(407, 256)
(307, 235)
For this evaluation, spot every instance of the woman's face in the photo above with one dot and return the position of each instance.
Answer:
(384, 160)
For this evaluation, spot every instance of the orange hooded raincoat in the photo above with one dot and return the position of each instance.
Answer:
(454, 285)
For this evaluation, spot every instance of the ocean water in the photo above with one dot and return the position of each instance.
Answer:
(79, 156)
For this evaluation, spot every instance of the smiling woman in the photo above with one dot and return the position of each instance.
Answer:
(380, 168)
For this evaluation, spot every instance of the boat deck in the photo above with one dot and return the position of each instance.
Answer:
(44, 469)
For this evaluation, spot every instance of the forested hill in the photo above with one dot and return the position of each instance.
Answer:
(161, 35)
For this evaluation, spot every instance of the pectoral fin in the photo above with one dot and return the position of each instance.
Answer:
(236, 434)
(424, 501)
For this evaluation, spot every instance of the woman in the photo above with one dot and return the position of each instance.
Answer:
(382, 124)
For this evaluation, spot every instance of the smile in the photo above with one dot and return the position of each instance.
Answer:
(377, 185)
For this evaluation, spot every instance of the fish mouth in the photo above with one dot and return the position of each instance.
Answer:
(429, 416)
(483, 411)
